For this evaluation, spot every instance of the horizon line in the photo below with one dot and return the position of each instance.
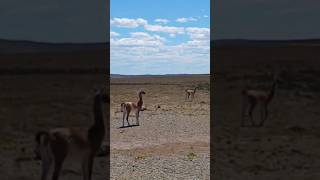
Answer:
(256, 39)
(50, 42)
(159, 74)
(108, 41)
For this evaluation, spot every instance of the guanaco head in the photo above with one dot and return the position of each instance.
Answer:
(122, 107)
(142, 92)
(102, 93)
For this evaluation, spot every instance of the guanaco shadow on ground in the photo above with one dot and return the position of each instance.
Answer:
(128, 126)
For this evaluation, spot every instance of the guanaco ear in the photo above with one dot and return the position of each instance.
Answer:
(140, 90)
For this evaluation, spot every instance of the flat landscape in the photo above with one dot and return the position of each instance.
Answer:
(41, 91)
(287, 146)
(172, 141)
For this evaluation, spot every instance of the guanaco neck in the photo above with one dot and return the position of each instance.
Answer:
(272, 92)
(140, 102)
(97, 130)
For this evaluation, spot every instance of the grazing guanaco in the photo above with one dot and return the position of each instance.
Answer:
(190, 93)
(127, 107)
(252, 97)
(54, 146)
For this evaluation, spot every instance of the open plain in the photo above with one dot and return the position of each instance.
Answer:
(287, 146)
(41, 91)
(172, 141)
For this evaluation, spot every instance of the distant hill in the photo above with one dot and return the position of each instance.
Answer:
(263, 43)
(15, 46)
(12, 46)
(151, 75)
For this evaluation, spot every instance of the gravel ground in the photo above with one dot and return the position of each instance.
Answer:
(172, 141)
(160, 167)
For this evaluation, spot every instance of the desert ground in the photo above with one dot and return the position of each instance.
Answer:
(287, 146)
(172, 141)
(43, 91)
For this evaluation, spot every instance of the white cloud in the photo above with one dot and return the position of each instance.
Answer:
(152, 51)
(114, 34)
(143, 47)
(139, 39)
(196, 33)
(146, 36)
(133, 23)
(181, 58)
(205, 16)
(198, 43)
(184, 20)
(165, 29)
(128, 23)
(163, 21)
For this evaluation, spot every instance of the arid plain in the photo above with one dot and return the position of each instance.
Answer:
(172, 141)
(41, 91)
(287, 146)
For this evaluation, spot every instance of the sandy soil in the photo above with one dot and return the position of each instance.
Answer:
(172, 141)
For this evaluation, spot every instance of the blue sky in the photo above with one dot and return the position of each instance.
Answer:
(160, 37)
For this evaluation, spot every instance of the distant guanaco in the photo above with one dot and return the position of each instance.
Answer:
(252, 97)
(190, 93)
(127, 107)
